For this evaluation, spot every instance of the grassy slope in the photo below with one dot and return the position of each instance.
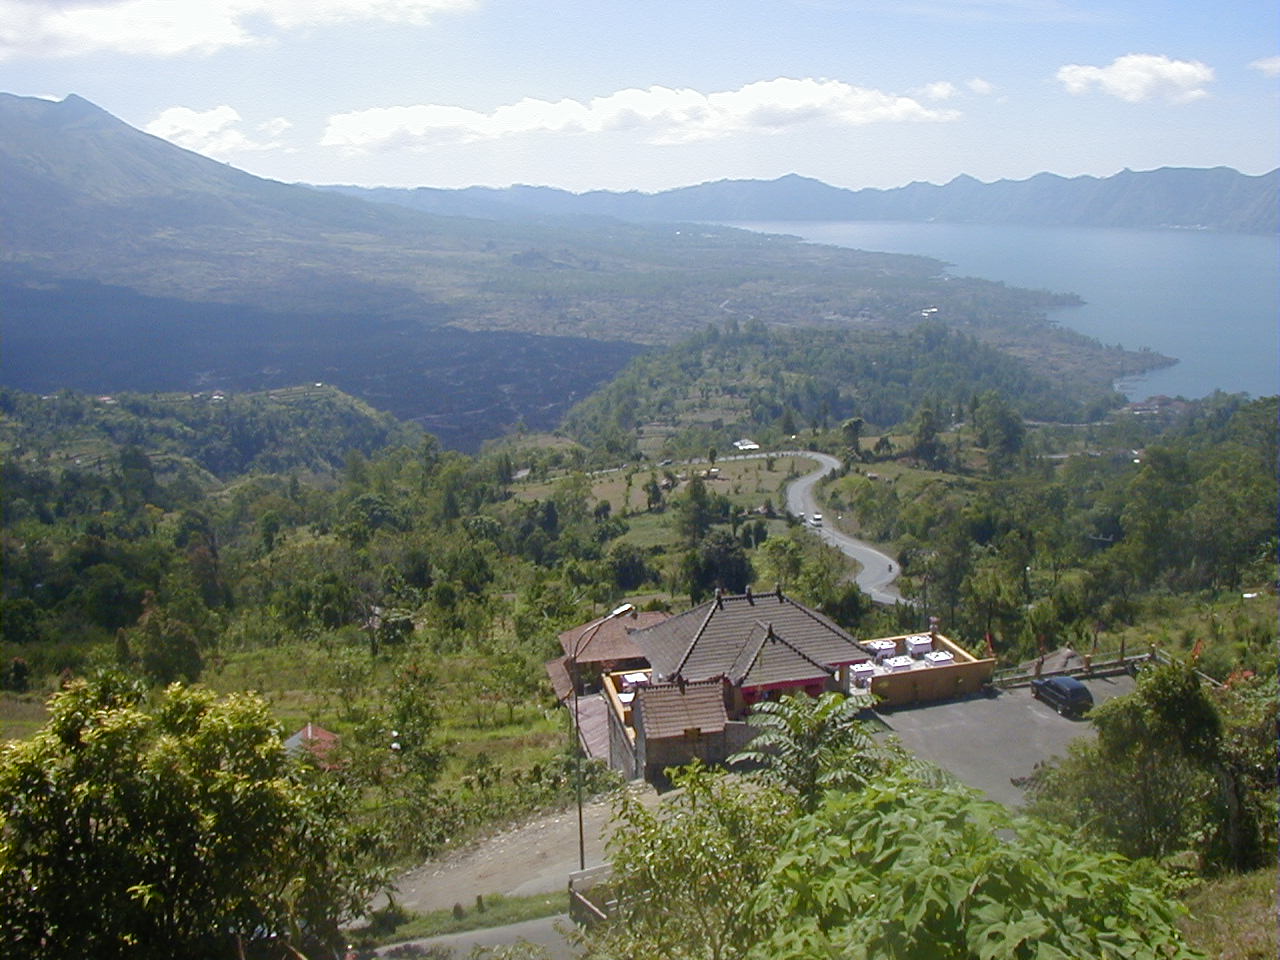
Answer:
(1234, 917)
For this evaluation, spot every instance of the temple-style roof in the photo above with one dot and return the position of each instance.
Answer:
(671, 709)
(752, 640)
(612, 641)
(767, 658)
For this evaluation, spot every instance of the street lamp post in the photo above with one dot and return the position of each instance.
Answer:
(583, 638)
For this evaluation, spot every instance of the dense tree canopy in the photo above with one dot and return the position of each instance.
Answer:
(899, 872)
(1174, 768)
(178, 827)
(1056, 548)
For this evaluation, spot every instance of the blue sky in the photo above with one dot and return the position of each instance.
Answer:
(619, 94)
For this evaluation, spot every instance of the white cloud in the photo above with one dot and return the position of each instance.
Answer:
(274, 127)
(213, 133)
(938, 90)
(166, 28)
(1270, 66)
(1141, 76)
(979, 86)
(661, 115)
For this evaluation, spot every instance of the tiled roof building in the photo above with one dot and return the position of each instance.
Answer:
(315, 740)
(678, 722)
(612, 641)
(670, 709)
(682, 687)
(757, 642)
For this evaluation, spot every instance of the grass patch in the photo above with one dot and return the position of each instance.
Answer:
(21, 715)
(648, 530)
(394, 925)
(1234, 917)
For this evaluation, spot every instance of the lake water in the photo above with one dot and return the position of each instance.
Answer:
(1210, 299)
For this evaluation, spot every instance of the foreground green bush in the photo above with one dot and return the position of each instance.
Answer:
(175, 828)
(893, 871)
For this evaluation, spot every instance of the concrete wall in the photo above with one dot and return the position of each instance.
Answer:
(922, 684)
(711, 748)
(677, 751)
(737, 735)
(623, 753)
(622, 747)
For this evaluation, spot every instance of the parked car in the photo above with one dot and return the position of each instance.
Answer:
(817, 520)
(1067, 695)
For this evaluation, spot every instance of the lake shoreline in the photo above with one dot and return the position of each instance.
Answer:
(1203, 302)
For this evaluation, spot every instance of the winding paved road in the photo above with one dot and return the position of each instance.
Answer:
(879, 570)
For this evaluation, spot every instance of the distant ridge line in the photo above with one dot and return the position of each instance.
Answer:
(1213, 198)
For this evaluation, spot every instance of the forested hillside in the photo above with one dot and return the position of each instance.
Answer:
(419, 590)
(1046, 551)
(298, 429)
(743, 379)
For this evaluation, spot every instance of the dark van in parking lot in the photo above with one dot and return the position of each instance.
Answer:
(1067, 695)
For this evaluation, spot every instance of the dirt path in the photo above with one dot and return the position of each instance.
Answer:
(535, 857)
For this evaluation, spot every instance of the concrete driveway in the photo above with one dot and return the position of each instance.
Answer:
(986, 742)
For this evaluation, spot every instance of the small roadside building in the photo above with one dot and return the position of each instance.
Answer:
(317, 742)
(603, 650)
(678, 722)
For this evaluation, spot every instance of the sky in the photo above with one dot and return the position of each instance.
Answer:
(623, 94)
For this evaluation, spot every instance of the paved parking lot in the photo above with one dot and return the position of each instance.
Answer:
(986, 742)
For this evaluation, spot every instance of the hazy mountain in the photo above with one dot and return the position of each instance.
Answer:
(1215, 199)
(128, 263)
(88, 197)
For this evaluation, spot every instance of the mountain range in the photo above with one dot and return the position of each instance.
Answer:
(129, 263)
(90, 198)
(1184, 198)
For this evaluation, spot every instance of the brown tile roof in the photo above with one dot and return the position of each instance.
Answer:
(558, 673)
(669, 709)
(768, 658)
(752, 640)
(613, 640)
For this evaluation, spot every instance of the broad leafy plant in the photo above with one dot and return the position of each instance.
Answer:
(806, 746)
(897, 871)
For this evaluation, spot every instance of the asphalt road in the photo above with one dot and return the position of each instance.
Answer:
(985, 743)
(534, 857)
(879, 571)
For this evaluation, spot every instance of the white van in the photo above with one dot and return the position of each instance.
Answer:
(817, 519)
